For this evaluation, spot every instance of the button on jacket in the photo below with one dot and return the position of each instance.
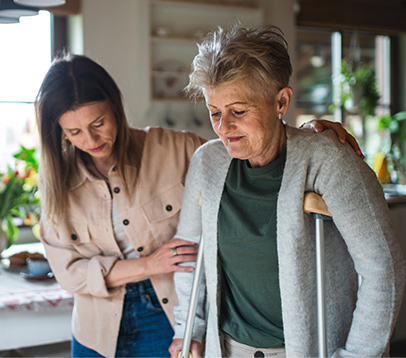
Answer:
(82, 248)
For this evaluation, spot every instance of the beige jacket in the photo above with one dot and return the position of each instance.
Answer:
(82, 248)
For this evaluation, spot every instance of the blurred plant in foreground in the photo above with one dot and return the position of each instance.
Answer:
(19, 195)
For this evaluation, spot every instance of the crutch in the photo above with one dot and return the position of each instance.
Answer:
(184, 353)
(315, 205)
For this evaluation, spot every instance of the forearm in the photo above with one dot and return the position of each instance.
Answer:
(125, 271)
(165, 259)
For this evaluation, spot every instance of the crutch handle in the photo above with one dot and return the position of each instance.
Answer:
(314, 204)
(180, 353)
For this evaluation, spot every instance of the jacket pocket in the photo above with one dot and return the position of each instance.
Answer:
(164, 205)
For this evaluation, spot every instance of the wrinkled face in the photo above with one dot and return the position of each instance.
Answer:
(246, 129)
(92, 128)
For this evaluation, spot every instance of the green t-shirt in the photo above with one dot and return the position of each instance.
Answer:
(251, 310)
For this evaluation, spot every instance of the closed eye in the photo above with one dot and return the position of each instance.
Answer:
(98, 124)
(74, 132)
(215, 115)
(239, 113)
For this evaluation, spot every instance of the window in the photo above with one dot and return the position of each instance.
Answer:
(26, 56)
(314, 88)
(321, 87)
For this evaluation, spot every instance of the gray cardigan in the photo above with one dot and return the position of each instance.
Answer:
(359, 240)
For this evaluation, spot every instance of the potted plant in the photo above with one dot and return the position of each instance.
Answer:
(396, 125)
(19, 197)
(359, 92)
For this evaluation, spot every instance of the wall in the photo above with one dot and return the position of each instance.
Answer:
(116, 33)
(282, 14)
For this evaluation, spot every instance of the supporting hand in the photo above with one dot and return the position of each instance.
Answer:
(176, 348)
(168, 256)
(165, 259)
(319, 125)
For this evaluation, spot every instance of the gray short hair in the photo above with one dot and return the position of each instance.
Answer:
(257, 55)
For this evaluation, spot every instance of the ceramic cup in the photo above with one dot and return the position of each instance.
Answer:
(38, 266)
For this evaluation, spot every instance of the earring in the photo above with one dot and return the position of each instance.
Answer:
(280, 115)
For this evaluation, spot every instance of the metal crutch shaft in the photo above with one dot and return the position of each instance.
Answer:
(321, 290)
(193, 302)
(315, 205)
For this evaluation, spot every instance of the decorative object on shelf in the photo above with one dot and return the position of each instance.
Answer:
(169, 120)
(396, 125)
(19, 196)
(195, 121)
(162, 31)
(169, 79)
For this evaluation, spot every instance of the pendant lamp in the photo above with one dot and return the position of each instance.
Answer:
(9, 8)
(9, 20)
(41, 3)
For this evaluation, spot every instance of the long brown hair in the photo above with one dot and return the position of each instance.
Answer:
(71, 82)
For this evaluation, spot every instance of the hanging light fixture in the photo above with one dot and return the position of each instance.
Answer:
(41, 3)
(9, 20)
(8, 8)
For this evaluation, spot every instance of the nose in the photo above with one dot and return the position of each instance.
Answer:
(92, 138)
(225, 124)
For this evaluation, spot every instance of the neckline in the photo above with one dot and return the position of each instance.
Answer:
(98, 171)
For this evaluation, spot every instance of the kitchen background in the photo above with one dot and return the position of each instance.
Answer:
(348, 58)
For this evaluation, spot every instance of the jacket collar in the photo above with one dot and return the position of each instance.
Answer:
(83, 173)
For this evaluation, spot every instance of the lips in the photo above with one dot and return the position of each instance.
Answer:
(98, 149)
(234, 139)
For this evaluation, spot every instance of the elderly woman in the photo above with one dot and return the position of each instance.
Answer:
(244, 195)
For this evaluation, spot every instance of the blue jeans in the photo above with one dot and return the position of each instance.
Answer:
(144, 329)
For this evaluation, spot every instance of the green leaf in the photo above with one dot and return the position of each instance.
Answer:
(384, 122)
(393, 126)
(12, 230)
(400, 116)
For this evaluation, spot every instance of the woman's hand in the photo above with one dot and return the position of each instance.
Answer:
(319, 125)
(168, 257)
(165, 259)
(176, 347)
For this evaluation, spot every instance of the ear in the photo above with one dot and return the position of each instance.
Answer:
(283, 99)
